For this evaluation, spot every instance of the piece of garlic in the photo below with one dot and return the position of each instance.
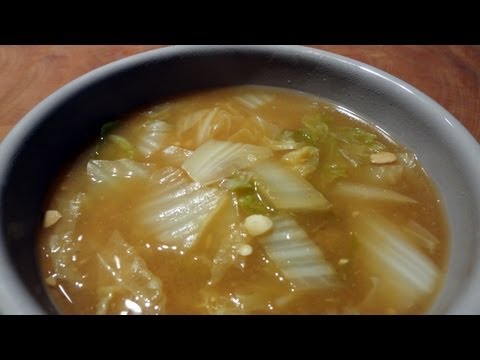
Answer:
(257, 224)
(245, 250)
(51, 217)
(383, 157)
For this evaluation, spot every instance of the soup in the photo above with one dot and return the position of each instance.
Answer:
(244, 200)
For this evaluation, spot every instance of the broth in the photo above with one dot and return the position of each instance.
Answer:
(154, 215)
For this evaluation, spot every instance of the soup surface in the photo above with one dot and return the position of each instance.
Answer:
(244, 200)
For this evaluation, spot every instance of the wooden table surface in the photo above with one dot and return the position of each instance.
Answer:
(448, 74)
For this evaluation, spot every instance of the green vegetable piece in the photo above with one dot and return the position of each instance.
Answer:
(248, 199)
(335, 170)
(119, 141)
(239, 181)
(235, 184)
(304, 160)
(358, 143)
(330, 172)
(316, 127)
(107, 128)
(123, 144)
(251, 204)
(304, 136)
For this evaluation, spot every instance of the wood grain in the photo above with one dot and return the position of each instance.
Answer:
(448, 74)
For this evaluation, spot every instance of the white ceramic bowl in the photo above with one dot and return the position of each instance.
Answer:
(59, 127)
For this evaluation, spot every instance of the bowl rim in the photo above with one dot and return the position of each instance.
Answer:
(15, 298)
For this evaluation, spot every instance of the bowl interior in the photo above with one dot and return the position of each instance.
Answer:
(61, 126)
